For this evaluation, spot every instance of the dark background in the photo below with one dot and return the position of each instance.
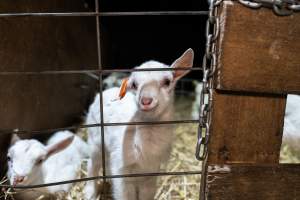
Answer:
(130, 40)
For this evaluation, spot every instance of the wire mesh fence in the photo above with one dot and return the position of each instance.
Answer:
(99, 72)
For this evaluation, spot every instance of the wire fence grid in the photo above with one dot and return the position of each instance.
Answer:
(99, 72)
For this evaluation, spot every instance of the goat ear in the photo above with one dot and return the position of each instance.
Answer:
(15, 138)
(184, 61)
(55, 148)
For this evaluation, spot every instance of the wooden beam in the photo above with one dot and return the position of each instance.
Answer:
(246, 128)
(42, 44)
(258, 50)
(35, 102)
(257, 66)
(242, 182)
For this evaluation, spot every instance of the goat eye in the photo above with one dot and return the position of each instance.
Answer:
(39, 161)
(8, 158)
(134, 85)
(167, 82)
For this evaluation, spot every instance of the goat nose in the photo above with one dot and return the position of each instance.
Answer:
(19, 179)
(146, 101)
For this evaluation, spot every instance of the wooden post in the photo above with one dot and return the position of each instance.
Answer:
(258, 50)
(35, 102)
(259, 182)
(246, 128)
(257, 66)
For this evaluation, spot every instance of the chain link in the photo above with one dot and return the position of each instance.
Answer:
(208, 66)
(206, 97)
(280, 7)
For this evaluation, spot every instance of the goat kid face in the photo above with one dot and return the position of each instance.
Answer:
(25, 159)
(154, 89)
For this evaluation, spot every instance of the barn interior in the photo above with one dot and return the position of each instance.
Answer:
(37, 102)
(34, 100)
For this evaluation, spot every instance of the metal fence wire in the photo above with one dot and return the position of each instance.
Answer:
(100, 72)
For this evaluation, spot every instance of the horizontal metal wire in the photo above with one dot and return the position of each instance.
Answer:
(101, 71)
(17, 131)
(103, 14)
(186, 173)
(98, 71)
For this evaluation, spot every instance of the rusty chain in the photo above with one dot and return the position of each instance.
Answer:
(208, 67)
(280, 7)
(206, 97)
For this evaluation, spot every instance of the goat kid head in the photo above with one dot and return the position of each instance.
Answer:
(154, 89)
(25, 159)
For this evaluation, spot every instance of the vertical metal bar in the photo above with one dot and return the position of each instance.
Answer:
(103, 193)
(202, 194)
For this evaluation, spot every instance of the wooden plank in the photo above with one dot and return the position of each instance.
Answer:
(23, 6)
(44, 43)
(238, 182)
(41, 44)
(246, 128)
(258, 50)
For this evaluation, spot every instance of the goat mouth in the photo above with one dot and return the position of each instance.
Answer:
(147, 108)
(17, 182)
(20, 183)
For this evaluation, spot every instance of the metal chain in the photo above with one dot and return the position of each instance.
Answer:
(208, 66)
(280, 7)
(206, 97)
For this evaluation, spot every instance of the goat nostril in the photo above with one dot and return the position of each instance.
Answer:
(146, 101)
(19, 179)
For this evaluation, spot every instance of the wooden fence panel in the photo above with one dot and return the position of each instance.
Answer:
(246, 128)
(37, 44)
(257, 65)
(254, 182)
(258, 50)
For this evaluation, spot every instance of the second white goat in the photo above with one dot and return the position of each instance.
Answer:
(31, 162)
(136, 148)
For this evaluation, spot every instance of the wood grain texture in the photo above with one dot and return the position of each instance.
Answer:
(241, 182)
(246, 128)
(47, 43)
(39, 44)
(258, 50)
(35, 102)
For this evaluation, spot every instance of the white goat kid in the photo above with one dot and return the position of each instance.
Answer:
(31, 162)
(136, 149)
